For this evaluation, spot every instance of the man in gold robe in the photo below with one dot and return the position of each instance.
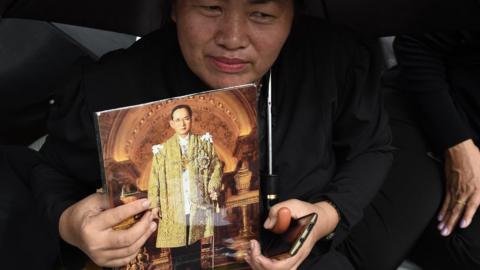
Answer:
(185, 177)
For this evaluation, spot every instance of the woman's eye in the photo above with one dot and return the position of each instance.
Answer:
(262, 17)
(211, 10)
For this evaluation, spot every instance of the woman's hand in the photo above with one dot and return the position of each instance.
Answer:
(327, 222)
(156, 213)
(462, 198)
(88, 225)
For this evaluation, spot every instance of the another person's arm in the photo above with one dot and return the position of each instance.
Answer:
(424, 73)
(462, 198)
(424, 77)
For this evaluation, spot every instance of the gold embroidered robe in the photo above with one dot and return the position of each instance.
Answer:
(165, 189)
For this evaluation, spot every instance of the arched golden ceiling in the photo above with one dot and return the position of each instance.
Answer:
(225, 115)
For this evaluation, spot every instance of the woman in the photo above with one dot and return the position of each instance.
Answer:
(331, 140)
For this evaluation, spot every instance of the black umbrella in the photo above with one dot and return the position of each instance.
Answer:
(27, 47)
(373, 17)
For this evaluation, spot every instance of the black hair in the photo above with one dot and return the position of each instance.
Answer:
(181, 106)
(166, 11)
(299, 5)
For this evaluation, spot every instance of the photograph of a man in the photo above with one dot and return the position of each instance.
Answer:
(183, 189)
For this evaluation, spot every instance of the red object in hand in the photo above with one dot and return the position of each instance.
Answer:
(283, 220)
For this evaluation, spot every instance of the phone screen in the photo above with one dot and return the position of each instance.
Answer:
(291, 241)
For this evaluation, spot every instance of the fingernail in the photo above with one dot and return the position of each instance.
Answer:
(445, 232)
(266, 223)
(146, 203)
(153, 226)
(252, 245)
(463, 224)
(441, 226)
(440, 217)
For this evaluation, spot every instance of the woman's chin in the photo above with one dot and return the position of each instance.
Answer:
(228, 81)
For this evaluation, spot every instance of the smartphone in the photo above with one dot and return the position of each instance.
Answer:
(292, 240)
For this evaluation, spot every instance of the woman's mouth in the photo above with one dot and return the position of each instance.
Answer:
(229, 65)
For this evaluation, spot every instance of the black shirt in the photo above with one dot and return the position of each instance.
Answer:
(331, 138)
(441, 74)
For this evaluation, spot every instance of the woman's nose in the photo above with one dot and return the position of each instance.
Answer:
(233, 32)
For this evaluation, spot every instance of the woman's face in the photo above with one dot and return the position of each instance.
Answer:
(231, 42)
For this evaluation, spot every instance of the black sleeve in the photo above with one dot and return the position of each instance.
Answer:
(361, 139)
(424, 77)
(69, 170)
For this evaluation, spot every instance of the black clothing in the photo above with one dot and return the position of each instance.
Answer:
(402, 218)
(331, 138)
(460, 250)
(187, 257)
(406, 202)
(24, 239)
(441, 72)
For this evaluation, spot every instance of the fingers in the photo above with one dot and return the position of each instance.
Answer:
(452, 217)
(119, 262)
(257, 261)
(291, 205)
(255, 248)
(155, 213)
(462, 175)
(122, 245)
(92, 230)
(272, 217)
(255, 258)
(470, 210)
(265, 263)
(284, 218)
(249, 256)
(444, 209)
(129, 251)
(114, 216)
(77, 221)
(126, 238)
(98, 200)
